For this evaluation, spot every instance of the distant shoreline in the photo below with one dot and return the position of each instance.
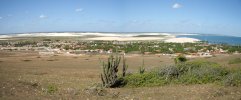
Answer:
(132, 36)
(166, 37)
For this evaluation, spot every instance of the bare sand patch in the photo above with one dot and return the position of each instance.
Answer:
(125, 38)
(182, 40)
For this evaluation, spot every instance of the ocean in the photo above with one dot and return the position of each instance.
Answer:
(216, 39)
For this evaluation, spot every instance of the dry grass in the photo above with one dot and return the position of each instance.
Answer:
(71, 75)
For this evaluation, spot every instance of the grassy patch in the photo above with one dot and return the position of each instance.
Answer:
(235, 61)
(233, 78)
(146, 79)
(195, 72)
(51, 88)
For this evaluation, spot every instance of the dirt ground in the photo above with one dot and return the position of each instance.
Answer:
(26, 75)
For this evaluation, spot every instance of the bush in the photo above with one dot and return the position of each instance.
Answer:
(195, 72)
(199, 72)
(169, 72)
(51, 88)
(202, 75)
(180, 59)
(233, 79)
(145, 79)
(188, 66)
(192, 72)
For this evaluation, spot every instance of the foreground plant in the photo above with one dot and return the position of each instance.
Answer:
(142, 67)
(109, 75)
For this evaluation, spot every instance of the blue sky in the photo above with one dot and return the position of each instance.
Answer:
(187, 16)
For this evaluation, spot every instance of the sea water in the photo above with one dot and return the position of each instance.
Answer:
(216, 39)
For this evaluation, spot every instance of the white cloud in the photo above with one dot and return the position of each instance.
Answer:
(42, 16)
(79, 10)
(176, 5)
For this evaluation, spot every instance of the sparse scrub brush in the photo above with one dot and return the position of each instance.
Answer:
(233, 79)
(110, 70)
(169, 72)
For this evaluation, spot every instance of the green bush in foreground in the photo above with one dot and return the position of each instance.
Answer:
(180, 59)
(233, 79)
(145, 79)
(195, 72)
(199, 72)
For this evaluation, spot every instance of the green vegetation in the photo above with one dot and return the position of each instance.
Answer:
(51, 88)
(180, 59)
(233, 78)
(195, 72)
(109, 76)
(235, 61)
(190, 72)
(152, 47)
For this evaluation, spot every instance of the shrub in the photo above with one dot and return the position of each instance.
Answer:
(192, 72)
(169, 72)
(188, 66)
(195, 72)
(180, 59)
(233, 79)
(200, 72)
(51, 88)
(145, 79)
(202, 75)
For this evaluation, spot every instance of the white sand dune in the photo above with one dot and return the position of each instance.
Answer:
(110, 36)
(182, 40)
(5, 36)
(80, 34)
(125, 38)
(3, 39)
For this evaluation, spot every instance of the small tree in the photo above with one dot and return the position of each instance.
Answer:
(180, 59)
